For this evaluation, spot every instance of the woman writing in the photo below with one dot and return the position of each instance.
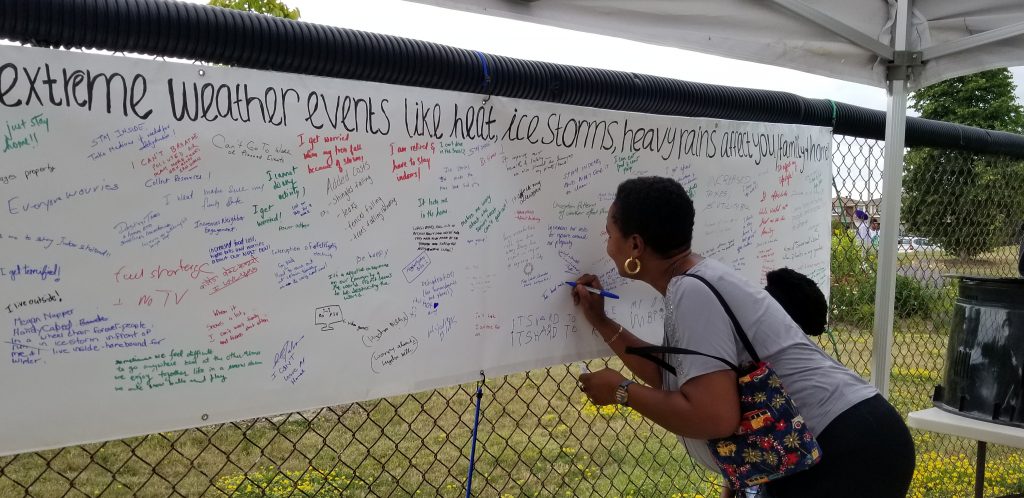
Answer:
(866, 449)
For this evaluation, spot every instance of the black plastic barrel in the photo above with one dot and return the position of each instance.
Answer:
(984, 376)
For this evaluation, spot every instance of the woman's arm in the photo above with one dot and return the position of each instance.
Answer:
(705, 407)
(616, 336)
(643, 369)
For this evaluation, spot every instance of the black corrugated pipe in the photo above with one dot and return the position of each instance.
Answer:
(200, 32)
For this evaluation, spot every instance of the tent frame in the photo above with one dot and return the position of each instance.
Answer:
(901, 65)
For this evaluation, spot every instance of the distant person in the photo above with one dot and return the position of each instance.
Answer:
(874, 230)
(866, 448)
(863, 230)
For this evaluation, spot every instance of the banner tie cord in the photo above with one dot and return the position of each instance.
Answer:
(476, 425)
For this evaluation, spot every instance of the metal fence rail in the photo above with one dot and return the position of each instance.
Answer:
(538, 434)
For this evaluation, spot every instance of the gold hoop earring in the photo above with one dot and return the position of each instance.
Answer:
(635, 270)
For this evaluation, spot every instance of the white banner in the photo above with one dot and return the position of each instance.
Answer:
(184, 245)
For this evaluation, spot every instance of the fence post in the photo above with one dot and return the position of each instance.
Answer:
(892, 192)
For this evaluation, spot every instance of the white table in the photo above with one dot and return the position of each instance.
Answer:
(936, 420)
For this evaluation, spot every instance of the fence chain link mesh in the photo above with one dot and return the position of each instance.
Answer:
(538, 434)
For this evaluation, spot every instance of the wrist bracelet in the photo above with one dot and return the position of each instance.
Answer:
(616, 336)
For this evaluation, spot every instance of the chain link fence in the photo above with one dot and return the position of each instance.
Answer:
(961, 215)
(538, 435)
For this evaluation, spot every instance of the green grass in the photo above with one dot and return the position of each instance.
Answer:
(538, 437)
(999, 262)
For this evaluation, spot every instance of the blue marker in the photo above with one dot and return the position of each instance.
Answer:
(592, 290)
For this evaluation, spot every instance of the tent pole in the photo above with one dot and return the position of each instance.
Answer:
(892, 189)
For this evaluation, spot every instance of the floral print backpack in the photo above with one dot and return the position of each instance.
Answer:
(772, 439)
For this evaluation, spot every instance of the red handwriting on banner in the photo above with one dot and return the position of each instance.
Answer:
(230, 275)
(165, 276)
(158, 297)
(410, 161)
(182, 157)
(232, 324)
(192, 271)
(786, 171)
(324, 152)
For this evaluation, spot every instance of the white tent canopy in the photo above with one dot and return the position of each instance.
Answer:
(896, 44)
(844, 39)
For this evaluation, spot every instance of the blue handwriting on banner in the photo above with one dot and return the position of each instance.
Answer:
(147, 229)
(31, 272)
(438, 287)
(225, 224)
(237, 248)
(289, 272)
(66, 332)
(287, 365)
(47, 242)
(19, 205)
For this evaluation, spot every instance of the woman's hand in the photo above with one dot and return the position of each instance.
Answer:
(591, 304)
(600, 386)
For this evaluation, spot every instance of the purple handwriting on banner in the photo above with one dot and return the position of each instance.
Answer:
(237, 248)
(288, 365)
(65, 332)
(47, 242)
(563, 236)
(31, 272)
(393, 356)
(416, 267)
(216, 226)
(149, 229)
(439, 287)
(289, 272)
(442, 328)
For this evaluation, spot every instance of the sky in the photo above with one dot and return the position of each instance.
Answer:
(544, 43)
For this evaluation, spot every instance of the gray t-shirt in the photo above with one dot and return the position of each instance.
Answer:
(821, 387)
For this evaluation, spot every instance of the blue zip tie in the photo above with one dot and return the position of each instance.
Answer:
(486, 83)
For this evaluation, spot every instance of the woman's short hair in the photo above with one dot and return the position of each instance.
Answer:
(658, 210)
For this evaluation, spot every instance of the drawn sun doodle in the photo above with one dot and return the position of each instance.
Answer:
(528, 269)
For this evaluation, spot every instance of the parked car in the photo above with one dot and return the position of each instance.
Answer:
(914, 244)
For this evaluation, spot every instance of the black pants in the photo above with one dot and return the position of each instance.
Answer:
(866, 452)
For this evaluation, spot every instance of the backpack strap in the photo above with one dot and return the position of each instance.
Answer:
(648, 352)
(735, 323)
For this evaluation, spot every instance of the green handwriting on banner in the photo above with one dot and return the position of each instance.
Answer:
(180, 367)
(354, 283)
